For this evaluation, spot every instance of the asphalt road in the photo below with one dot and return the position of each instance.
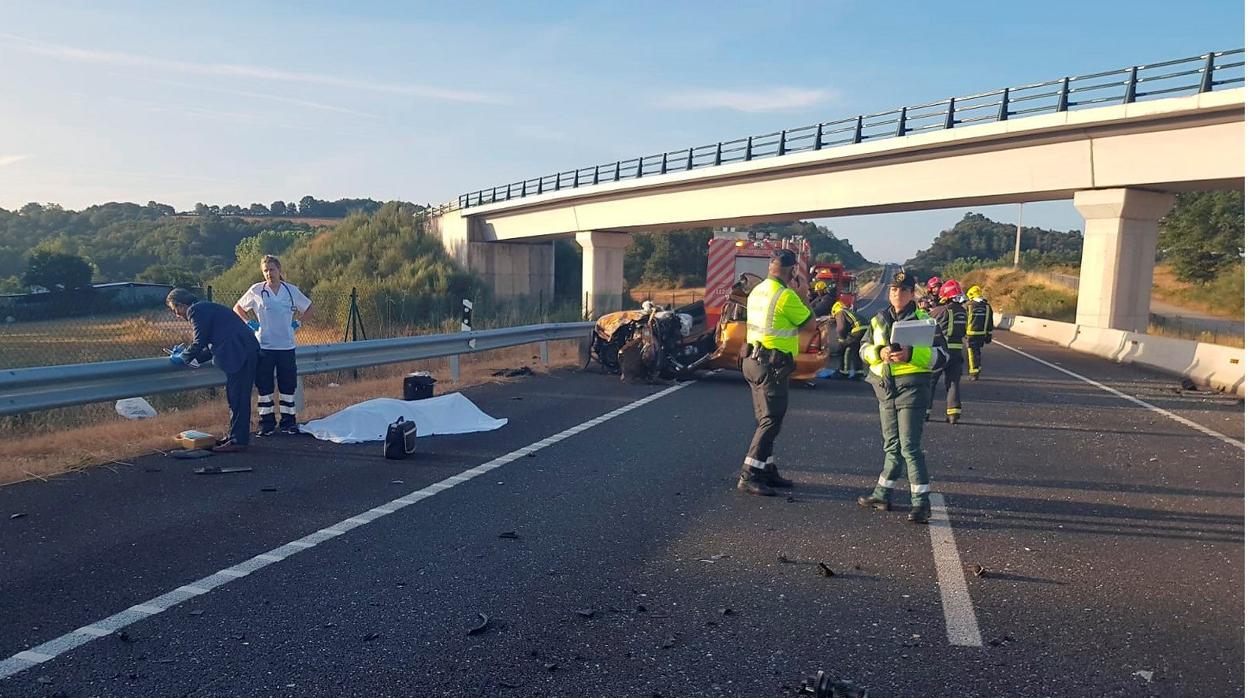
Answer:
(1112, 537)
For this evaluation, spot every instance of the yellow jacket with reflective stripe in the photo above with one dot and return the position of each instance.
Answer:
(922, 359)
(773, 314)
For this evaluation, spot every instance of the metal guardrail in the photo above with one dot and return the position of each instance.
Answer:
(1191, 75)
(46, 387)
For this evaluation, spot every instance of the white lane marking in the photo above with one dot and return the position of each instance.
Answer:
(57, 646)
(1181, 420)
(960, 623)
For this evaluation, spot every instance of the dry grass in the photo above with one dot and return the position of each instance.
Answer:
(35, 448)
(666, 296)
(1023, 293)
(1226, 340)
(1211, 301)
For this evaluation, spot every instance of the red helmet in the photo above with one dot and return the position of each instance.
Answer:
(933, 284)
(950, 289)
(825, 274)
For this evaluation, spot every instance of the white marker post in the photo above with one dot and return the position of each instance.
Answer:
(465, 325)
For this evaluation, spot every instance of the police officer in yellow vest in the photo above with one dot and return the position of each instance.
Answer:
(774, 314)
(902, 377)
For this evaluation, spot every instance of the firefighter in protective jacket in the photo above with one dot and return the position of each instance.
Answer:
(902, 378)
(950, 319)
(979, 322)
(849, 332)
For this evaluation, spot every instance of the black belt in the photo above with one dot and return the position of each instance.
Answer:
(763, 355)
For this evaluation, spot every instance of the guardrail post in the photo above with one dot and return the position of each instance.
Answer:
(509, 192)
(663, 167)
(524, 188)
(1004, 114)
(640, 162)
(689, 161)
(1206, 80)
(596, 168)
(540, 181)
(780, 146)
(901, 122)
(1063, 96)
(576, 178)
(617, 170)
(749, 148)
(858, 130)
(719, 153)
(949, 113)
(558, 180)
(1129, 97)
(208, 292)
(819, 137)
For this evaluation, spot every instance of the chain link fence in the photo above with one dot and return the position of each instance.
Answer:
(80, 327)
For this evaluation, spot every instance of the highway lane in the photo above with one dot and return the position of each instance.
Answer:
(1112, 538)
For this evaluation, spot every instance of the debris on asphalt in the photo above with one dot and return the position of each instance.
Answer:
(790, 499)
(513, 372)
(396, 482)
(714, 558)
(1187, 384)
(480, 627)
(825, 571)
(124, 636)
(669, 643)
(1144, 674)
(43, 680)
(511, 535)
(641, 609)
(153, 470)
(18, 515)
(190, 454)
(196, 613)
(268, 489)
(552, 666)
(369, 637)
(726, 611)
(585, 612)
(824, 685)
(783, 558)
(216, 470)
(979, 571)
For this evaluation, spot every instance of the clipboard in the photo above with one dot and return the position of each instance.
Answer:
(914, 333)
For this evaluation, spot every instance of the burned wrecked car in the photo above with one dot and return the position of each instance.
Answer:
(654, 343)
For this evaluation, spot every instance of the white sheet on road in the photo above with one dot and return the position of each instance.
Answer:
(367, 421)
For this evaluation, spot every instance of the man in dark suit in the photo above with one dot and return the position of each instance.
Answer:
(220, 336)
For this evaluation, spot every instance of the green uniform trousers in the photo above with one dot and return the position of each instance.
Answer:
(769, 391)
(903, 411)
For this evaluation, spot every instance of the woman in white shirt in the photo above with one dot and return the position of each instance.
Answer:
(278, 306)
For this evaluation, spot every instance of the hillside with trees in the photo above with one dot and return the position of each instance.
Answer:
(977, 240)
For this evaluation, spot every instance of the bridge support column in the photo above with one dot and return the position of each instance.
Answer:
(602, 271)
(1119, 252)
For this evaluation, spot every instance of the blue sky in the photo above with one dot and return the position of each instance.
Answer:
(233, 102)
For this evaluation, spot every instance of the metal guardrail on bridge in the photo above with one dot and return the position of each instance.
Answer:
(32, 389)
(1191, 75)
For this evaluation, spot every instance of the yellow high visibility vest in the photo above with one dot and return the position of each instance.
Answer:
(773, 314)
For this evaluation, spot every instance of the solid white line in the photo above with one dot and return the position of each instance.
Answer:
(57, 646)
(1181, 420)
(960, 623)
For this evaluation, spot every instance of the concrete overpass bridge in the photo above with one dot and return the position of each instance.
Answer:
(1119, 143)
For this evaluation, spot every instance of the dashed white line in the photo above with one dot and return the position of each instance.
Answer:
(76, 638)
(1181, 420)
(960, 623)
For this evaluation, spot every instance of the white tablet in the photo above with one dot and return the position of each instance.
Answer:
(914, 333)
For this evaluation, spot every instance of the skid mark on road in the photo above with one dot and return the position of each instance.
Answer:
(960, 622)
(102, 628)
(1181, 420)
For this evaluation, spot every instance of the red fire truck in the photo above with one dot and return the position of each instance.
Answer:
(733, 253)
(841, 282)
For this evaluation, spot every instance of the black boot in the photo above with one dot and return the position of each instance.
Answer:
(952, 418)
(870, 502)
(773, 478)
(920, 513)
(755, 483)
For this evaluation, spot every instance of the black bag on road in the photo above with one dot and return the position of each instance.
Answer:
(400, 439)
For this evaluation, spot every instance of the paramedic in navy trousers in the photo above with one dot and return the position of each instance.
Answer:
(225, 339)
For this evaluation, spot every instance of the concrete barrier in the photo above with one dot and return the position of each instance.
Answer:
(1205, 364)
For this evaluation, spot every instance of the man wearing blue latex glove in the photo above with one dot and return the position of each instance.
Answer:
(222, 337)
(254, 325)
(278, 305)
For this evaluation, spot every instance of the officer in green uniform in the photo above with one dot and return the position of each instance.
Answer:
(902, 377)
(774, 314)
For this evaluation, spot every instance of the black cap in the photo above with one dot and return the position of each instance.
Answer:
(785, 257)
(903, 279)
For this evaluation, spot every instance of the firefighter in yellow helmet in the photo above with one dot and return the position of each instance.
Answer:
(823, 298)
(774, 314)
(979, 323)
(849, 332)
(902, 378)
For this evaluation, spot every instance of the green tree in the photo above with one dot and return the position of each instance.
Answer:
(53, 270)
(1203, 234)
(170, 274)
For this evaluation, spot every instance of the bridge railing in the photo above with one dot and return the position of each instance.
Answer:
(32, 389)
(1190, 75)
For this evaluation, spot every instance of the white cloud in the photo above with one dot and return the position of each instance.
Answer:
(130, 60)
(11, 159)
(773, 99)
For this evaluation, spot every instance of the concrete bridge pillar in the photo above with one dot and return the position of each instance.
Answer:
(602, 271)
(1119, 252)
